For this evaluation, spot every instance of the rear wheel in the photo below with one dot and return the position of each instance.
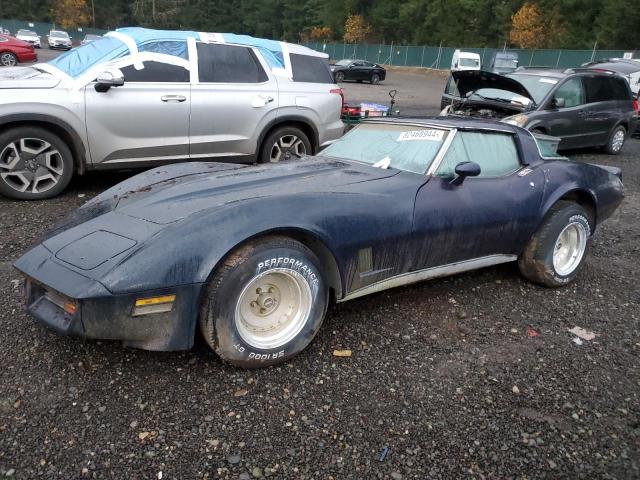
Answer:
(556, 252)
(34, 163)
(284, 143)
(616, 140)
(375, 79)
(265, 303)
(8, 59)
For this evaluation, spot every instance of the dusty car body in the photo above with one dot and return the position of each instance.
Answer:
(363, 223)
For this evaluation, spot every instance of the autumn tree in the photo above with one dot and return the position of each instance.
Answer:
(70, 13)
(527, 27)
(316, 34)
(356, 29)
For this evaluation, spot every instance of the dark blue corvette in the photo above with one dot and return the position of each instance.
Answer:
(253, 254)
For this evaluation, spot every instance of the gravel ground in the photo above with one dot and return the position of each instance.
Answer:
(444, 377)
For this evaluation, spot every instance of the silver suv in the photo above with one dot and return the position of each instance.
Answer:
(139, 98)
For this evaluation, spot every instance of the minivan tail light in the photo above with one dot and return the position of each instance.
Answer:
(636, 108)
(338, 91)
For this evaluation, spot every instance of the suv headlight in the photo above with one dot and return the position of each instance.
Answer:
(519, 120)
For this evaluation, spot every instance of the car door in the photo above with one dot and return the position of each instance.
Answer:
(234, 99)
(486, 217)
(602, 113)
(143, 121)
(565, 114)
(356, 71)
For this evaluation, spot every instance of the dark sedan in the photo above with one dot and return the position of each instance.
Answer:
(252, 255)
(358, 70)
(14, 51)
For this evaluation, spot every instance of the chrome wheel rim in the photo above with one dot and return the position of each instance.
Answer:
(618, 141)
(273, 308)
(286, 148)
(569, 248)
(8, 60)
(31, 165)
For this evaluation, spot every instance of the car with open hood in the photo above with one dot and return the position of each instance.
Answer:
(583, 107)
(137, 98)
(251, 256)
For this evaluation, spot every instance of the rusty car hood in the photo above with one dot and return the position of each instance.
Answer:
(171, 193)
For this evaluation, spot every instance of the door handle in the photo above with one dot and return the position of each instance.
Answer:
(173, 98)
(261, 101)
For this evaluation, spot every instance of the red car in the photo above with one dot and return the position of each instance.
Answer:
(14, 51)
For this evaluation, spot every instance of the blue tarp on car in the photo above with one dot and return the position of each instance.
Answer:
(169, 42)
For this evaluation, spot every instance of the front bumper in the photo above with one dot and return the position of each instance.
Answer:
(73, 304)
(27, 57)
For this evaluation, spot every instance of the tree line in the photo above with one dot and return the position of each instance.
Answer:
(471, 23)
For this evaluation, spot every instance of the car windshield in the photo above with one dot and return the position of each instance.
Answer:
(405, 147)
(343, 63)
(536, 85)
(469, 62)
(91, 37)
(58, 34)
(506, 63)
(26, 33)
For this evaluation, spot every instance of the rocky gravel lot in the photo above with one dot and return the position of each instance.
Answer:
(447, 379)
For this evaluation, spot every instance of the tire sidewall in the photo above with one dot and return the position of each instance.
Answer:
(33, 132)
(229, 343)
(559, 222)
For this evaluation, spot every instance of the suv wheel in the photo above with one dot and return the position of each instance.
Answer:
(34, 164)
(8, 59)
(284, 143)
(616, 140)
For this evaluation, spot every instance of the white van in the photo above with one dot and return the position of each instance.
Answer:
(464, 61)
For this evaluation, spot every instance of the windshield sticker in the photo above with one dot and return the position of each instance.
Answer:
(521, 100)
(548, 80)
(427, 134)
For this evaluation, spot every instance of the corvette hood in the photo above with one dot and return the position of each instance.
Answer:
(26, 77)
(471, 80)
(168, 194)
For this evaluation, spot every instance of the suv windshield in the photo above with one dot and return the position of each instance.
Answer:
(469, 62)
(26, 33)
(536, 85)
(405, 147)
(506, 63)
(58, 34)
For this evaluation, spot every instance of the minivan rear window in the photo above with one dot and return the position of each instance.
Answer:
(602, 88)
(310, 69)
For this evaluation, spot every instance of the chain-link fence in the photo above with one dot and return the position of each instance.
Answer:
(42, 29)
(440, 57)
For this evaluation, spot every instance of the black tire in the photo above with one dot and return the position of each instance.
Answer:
(339, 76)
(63, 161)
(375, 79)
(219, 322)
(8, 59)
(278, 139)
(536, 261)
(613, 147)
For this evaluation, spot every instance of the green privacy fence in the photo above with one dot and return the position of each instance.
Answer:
(43, 29)
(440, 57)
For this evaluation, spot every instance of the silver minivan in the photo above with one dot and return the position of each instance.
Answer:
(139, 98)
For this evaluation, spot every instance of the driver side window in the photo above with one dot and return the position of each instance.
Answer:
(496, 153)
(572, 92)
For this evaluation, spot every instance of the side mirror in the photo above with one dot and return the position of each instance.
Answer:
(464, 170)
(109, 78)
(557, 103)
(352, 65)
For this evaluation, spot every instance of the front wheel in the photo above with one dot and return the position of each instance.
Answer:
(34, 163)
(265, 303)
(616, 141)
(339, 77)
(556, 252)
(284, 143)
(8, 59)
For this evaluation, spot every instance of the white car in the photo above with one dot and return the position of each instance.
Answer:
(464, 61)
(59, 39)
(29, 36)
